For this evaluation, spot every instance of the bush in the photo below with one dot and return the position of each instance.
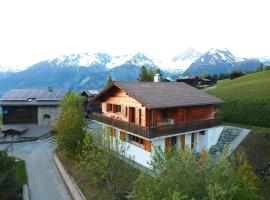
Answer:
(179, 175)
(8, 184)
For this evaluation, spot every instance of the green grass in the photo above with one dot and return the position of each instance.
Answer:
(247, 99)
(21, 176)
(256, 147)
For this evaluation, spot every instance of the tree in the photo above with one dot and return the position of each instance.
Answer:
(101, 157)
(109, 80)
(143, 76)
(204, 75)
(178, 174)
(70, 128)
(7, 174)
(148, 74)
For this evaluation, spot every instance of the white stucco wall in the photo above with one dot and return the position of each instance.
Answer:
(54, 113)
(143, 157)
(210, 138)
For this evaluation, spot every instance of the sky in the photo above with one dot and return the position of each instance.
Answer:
(35, 30)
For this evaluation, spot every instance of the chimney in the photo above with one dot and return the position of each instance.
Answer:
(50, 89)
(157, 78)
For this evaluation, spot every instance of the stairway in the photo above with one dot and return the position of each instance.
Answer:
(230, 137)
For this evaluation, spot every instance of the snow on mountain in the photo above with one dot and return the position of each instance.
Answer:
(85, 60)
(118, 60)
(264, 60)
(216, 61)
(10, 69)
(180, 62)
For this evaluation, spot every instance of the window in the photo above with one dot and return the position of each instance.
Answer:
(109, 107)
(136, 140)
(46, 116)
(163, 113)
(116, 108)
(202, 132)
(140, 116)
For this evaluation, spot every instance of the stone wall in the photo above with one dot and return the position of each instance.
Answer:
(44, 112)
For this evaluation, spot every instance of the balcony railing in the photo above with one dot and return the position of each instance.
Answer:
(162, 130)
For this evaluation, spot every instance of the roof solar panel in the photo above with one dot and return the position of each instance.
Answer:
(39, 94)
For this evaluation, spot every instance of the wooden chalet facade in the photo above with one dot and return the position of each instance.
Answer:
(147, 115)
(89, 105)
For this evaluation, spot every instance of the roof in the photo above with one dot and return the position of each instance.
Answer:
(164, 94)
(91, 92)
(33, 97)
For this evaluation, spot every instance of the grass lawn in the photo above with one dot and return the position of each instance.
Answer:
(256, 147)
(21, 175)
(247, 99)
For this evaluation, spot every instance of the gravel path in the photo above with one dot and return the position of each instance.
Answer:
(44, 179)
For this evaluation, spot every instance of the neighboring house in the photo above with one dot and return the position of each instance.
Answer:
(198, 82)
(89, 104)
(24, 109)
(234, 75)
(145, 115)
(192, 81)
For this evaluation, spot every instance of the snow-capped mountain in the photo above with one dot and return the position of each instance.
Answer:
(179, 63)
(264, 60)
(216, 61)
(79, 71)
(83, 71)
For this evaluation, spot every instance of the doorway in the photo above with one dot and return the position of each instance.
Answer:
(131, 115)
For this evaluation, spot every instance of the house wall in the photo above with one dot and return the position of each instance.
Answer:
(119, 97)
(188, 114)
(20, 114)
(143, 157)
(54, 113)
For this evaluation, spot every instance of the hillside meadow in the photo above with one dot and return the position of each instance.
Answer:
(247, 99)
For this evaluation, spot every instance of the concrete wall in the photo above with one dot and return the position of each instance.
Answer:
(54, 113)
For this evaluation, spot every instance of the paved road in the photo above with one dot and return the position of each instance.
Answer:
(44, 179)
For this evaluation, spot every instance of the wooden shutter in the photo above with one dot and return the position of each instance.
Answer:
(114, 132)
(147, 145)
(183, 141)
(122, 135)
(168, 143)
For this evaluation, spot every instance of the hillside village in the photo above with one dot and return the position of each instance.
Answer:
(134, 100)
(142, 120)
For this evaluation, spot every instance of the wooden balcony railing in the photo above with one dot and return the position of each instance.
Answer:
(162, 130)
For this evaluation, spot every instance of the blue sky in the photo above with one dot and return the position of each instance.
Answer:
(34, 30)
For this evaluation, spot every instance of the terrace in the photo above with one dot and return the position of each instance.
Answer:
(156, 131)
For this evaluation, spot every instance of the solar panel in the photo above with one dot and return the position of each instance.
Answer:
(39, 94)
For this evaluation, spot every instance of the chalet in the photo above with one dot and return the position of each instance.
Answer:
(89, 104)
(234, 75)
(146, 115)
(25, 109)
(192, 81)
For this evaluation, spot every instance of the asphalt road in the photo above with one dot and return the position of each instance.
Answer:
(44, 180)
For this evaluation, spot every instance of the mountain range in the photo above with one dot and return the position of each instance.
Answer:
(90, 71)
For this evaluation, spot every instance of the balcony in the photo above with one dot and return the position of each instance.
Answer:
(161, 130)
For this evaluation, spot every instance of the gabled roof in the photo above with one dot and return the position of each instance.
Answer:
(163, 94)
(33, 96)
(91, 92)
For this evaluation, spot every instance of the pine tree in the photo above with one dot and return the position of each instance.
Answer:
(109, 80)
(143, 74)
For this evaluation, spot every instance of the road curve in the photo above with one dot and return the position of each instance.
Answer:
(44, 180)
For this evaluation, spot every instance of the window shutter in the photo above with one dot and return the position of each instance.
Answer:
(147, 145)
